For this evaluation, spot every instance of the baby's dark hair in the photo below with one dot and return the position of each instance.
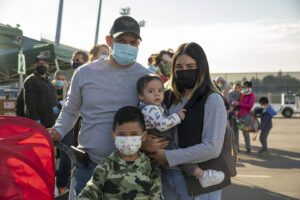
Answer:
(128, 114)
(143, 82)
(263, 100)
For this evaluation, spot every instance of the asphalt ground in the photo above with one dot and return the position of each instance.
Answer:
(275, 176)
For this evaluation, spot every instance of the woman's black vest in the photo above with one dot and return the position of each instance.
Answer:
(190, 134)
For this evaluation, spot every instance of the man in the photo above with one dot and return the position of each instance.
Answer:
(223, 86)
(40, 95)
(234, 96)
(97, 91)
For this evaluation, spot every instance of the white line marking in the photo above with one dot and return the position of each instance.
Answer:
(254, 176)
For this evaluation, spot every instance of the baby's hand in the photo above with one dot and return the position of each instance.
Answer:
(181, 114)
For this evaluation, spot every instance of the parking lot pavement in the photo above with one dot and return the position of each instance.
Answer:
(272, 177)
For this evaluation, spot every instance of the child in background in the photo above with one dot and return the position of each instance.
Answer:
(150, 89)
(265, 123)
(126, 173)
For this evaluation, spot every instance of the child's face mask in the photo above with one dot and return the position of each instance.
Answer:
(128, 145)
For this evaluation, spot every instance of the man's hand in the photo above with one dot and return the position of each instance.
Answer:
(54, 135)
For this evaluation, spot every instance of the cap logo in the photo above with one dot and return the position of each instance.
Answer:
(128, 23)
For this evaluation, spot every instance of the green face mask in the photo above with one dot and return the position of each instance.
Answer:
(166, 70)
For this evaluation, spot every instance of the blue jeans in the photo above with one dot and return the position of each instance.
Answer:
(215, 195)
(173, 185)
(64, 170)
(82, 175)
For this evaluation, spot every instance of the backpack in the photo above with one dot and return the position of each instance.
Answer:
(229, 151)
(248, 123)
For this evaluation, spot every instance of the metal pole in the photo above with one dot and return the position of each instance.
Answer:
(56, 64)
(98, 23)
(59, 19)
(21, 76)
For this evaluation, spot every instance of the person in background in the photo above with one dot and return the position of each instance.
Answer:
(20, 105)
(98, 89)
(151, 64)
(245, 105)
(79, 58)
(40, 94)
(99, 51)
(265, 124)
(163, 61)
(234, 95)
(200, 135)
(224, 86)
(60, 83)
(126, 173)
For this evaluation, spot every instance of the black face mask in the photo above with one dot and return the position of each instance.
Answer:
(186, 79)
(41, 70)
(76, 65)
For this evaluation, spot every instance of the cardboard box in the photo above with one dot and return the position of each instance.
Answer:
(8, 107)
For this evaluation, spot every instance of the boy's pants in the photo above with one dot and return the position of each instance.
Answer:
(263, 139)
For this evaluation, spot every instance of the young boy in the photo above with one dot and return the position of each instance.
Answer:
(150, 89)
(126, 173)
(265, 123)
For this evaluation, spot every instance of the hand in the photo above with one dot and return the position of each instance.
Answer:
(254, 136)
(181, 114)
(54, 134)
(153, 144)
(159, 158)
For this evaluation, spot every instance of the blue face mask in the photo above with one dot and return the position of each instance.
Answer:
(59, 83)
(124, 54)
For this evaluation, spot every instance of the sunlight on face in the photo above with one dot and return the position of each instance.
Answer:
(153, 93)
(185, 62)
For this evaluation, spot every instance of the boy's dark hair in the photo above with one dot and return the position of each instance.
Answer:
(144, 80)
(247, 84)
(263, 100)
(129, 114)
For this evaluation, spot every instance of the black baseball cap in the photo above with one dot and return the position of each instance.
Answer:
(125, 24)
(41, 57)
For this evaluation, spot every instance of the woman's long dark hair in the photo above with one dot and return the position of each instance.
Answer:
(196, 52)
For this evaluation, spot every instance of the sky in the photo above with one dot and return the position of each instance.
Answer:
(237, 35)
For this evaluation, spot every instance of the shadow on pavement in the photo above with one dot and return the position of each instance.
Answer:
(275, 159)
(242, 192)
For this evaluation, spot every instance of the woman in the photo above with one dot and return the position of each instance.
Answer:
(200, 136)
(99, 51)
(245, 105)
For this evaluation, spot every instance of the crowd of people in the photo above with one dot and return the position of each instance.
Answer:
(154, 132)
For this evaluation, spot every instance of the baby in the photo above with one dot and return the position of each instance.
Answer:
(150, 90)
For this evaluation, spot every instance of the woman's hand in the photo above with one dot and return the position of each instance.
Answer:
(153, 144)
(159, 158)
